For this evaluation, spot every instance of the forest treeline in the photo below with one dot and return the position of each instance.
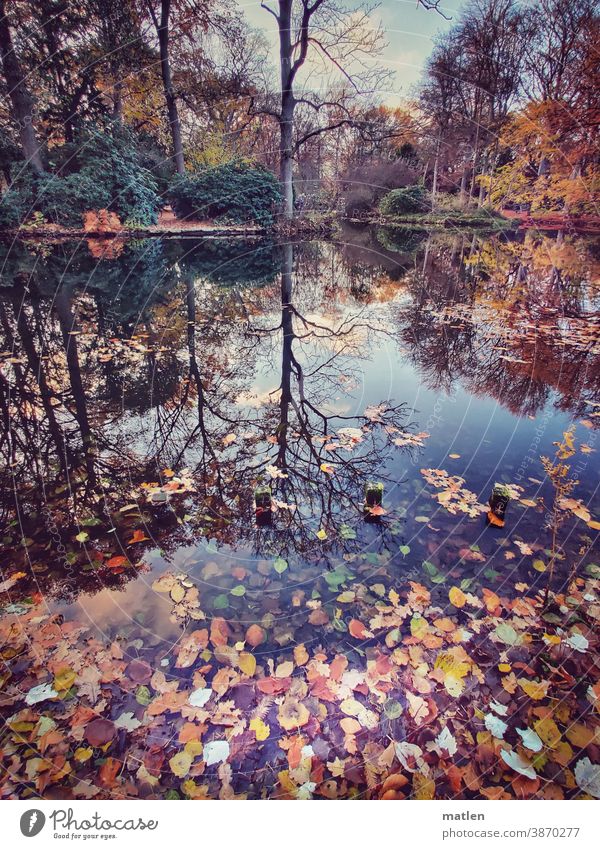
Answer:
(127, 105)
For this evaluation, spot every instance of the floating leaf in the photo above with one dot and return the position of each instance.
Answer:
(280, 565)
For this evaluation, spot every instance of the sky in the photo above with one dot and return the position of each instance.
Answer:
(410, 32)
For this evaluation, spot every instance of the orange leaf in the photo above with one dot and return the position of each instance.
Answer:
(492, 602)
(219, 632)
(273, 686)
(137, 536)
(108, 772)
(116, 561)
(457, 597)
(357, 629)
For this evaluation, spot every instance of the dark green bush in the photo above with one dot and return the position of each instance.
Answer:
(403, 201)
(103, 170)
(13, 209)
(231, 192)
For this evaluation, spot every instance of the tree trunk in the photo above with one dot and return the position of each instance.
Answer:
(463, 186)
(21, 100)
(117, 110)
(288, 103)
(436, 165)
(170, 97)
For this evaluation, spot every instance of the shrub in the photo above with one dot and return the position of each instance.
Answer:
(113, 160)
(358, 202)
(233, 191)
(366, 184)
(12, 210)
(403, 201)
(102, 171)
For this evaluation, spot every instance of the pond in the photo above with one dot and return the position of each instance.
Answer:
(150, 388)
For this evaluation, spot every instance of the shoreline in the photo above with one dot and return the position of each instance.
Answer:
(508, 221)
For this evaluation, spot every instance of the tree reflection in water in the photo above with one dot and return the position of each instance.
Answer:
(147, 389)
(242, 363)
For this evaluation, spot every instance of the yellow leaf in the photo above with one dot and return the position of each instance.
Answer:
(300, 654)
(260, 728)
(293, 714)
(548, 732)
(193, 748)
(536, 690)
(193, 790)
(423, 787)
(178, 593)
(82, 755)
(351, 707)
(321, 534)
(180, 764)
(247, 663)
(418, 626)
(64, 679)
(539, 565)
(457, 597)
(594, 525)
(454, 685)
(394, 597)
(285, 669)
(346, 597)
(504, 667)
(580, 735)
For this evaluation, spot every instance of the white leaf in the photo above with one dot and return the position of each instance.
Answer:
(502, 710)
(200, 697)
(40, 693)
(587, 776)
(530, 739)
(445, 740)
(406, 751)
(306, 790)
(495, 726)
(578, 642)
(128, 721)
(519, 764)
(216, 752)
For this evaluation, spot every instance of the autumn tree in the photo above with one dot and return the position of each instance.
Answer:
(472, 80)
(338, 42)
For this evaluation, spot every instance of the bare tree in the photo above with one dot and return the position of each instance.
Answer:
(338, 42)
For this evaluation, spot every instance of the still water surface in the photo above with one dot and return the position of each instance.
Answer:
(147, 388)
